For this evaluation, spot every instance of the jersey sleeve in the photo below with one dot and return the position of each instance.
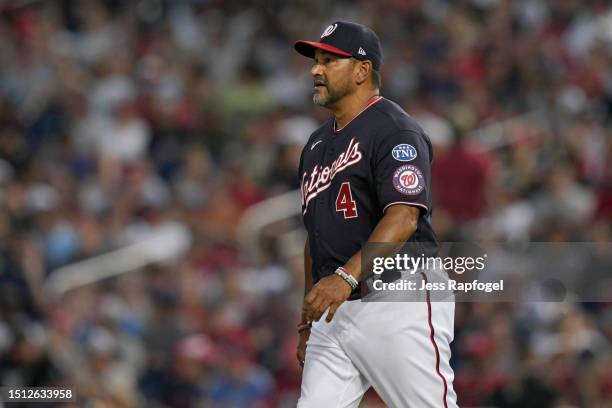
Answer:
(300, 167)
(402, 170)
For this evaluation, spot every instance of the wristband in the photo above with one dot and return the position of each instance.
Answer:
(304, 326)
(344, 274)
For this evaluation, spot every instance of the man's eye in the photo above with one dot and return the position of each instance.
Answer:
(324, 60)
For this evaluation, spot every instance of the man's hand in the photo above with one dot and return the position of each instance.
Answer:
(301, 348)
(329, 292)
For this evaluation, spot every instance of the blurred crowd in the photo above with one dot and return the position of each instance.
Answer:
(117, 118)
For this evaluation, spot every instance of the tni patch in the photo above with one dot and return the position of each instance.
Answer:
(404, 152)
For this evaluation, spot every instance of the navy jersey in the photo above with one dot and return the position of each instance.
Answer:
(351, 176)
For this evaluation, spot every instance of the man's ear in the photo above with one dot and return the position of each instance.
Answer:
(362, 71)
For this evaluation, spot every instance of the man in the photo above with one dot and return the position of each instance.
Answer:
(365, 178)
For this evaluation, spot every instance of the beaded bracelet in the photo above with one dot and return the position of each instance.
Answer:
(344, 274)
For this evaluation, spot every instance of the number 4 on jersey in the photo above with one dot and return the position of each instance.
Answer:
(345, 202)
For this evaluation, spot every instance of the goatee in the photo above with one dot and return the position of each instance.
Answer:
(320, 100)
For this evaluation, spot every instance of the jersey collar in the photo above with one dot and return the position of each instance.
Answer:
(372, 101)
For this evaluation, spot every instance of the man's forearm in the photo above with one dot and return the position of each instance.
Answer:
(307, 268)
(398, 224)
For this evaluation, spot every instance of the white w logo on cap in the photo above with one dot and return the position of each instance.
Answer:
(329, 30)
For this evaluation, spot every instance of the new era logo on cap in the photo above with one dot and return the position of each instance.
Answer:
(348, 40)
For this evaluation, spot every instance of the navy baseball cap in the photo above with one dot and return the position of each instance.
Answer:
(346, 39)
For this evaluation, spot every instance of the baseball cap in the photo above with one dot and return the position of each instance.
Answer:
(347, 39)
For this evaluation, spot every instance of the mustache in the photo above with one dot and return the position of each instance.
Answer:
(319, 81)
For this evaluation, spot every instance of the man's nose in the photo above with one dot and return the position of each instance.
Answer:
(316, 70)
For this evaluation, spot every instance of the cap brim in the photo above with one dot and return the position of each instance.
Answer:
(307, 48)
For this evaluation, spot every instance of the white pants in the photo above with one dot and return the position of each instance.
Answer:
(402, 349)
